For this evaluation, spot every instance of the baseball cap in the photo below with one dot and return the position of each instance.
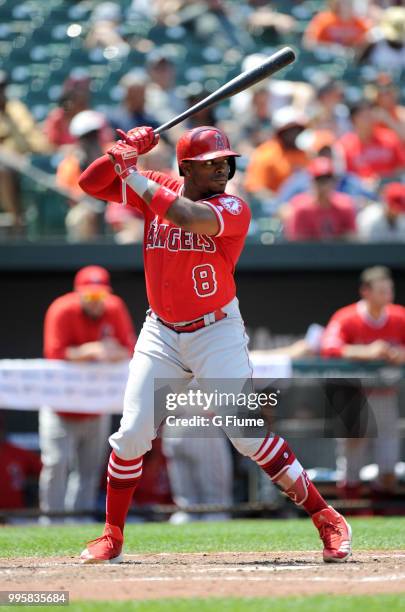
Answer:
(85, 122)
(394, 195)
(92, 278)
(321, 166)
(287, 117)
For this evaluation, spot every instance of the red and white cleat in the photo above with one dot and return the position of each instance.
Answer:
(107, 549)
(335, 533)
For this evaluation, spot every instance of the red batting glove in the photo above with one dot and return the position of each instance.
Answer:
(143, 139)
(124, 158)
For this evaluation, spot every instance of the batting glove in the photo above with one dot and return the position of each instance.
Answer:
(124, 157)
(143, 139)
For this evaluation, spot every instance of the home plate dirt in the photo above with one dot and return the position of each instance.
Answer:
(153, 576)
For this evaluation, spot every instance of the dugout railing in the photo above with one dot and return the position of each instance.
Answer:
(309, 376)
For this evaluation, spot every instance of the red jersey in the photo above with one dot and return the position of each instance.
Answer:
(187, 275)
(353, 325)
(16, 465)
(382, 155)
(310, 221)
(66, 324)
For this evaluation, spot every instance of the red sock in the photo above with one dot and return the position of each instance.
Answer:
(123, 478)
(277, 459)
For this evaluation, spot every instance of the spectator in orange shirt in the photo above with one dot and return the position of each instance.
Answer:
(337, 26)
(323, 214)
(89, 324)
(275, 160)
(83, 219)
(371, 151)
(85, 129)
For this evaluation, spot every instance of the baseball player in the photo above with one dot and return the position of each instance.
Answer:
(194, 234)
(89, 324)
(369, 330)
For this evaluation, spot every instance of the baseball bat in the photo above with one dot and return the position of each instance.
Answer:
(273, 64)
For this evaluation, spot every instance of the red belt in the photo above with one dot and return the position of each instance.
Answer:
(181, 328)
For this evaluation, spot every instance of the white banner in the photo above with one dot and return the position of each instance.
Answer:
(28, 384)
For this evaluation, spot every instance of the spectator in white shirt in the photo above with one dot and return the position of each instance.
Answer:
(384, 222)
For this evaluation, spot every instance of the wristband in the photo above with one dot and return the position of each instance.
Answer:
(137, 182)
(162, 201)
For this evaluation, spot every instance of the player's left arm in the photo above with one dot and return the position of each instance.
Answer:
(202, 217)
(196, 217)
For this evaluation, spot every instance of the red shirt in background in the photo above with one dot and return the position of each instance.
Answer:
(66, 324)
(382, 155)
(57, 130)
(16, 465)
(353, 325)
(310, 221)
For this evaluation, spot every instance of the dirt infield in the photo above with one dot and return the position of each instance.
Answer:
(153, 576)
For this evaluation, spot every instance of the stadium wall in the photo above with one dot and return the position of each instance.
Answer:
(282, 287)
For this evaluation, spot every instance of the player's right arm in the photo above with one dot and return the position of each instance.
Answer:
(100, 181)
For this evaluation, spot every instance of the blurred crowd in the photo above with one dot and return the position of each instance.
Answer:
(321, 158)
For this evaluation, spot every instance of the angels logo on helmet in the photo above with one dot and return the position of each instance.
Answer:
(232, 204)
(219, 141)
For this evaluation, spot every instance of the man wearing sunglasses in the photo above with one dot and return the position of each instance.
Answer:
(89, 324)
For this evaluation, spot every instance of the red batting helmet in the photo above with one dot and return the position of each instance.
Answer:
(204, 143)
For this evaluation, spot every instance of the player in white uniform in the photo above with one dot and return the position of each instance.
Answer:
(194, 234)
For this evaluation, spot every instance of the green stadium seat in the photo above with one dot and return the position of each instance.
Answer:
(45, 210)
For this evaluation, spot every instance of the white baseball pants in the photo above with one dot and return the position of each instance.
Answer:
(218, 351)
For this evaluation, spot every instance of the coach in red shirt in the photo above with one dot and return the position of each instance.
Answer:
(323, 213)
(370, 330)
(88, 324)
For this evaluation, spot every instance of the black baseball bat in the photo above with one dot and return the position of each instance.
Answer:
(273, 64)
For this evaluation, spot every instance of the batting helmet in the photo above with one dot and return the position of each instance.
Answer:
(203, 143)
